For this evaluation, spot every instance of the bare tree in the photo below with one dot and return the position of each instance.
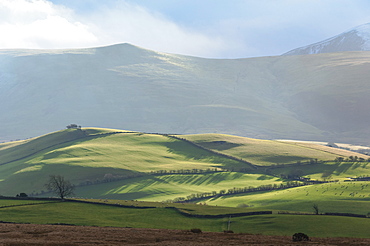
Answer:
(58, 185)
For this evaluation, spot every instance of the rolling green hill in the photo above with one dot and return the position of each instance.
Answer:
(268, 152)
(142, 174)
(117, 164)
(339, 197)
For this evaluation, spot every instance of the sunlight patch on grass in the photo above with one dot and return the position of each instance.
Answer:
(30, 169)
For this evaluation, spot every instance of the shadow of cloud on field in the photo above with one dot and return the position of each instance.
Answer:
(265, 177)
(186, 150)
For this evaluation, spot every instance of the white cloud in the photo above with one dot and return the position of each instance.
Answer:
(123, 22)
(42, 24)
(243, 28)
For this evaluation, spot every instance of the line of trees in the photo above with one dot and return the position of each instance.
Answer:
(233, 191)
(188, 171)
(351, 159)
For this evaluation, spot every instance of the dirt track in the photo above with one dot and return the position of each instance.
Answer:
(26, 234)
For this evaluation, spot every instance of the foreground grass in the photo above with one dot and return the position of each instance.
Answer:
(161, 218)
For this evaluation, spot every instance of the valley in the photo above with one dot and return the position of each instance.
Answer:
(235, 138)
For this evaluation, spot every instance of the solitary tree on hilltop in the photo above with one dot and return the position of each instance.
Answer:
(73, 126)
(58, 185)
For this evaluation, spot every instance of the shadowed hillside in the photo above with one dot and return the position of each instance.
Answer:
(313, 97)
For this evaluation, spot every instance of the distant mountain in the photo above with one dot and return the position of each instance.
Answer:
(322, 97)
(356, 39)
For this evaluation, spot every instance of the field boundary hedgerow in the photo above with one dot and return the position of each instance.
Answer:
(180, 211)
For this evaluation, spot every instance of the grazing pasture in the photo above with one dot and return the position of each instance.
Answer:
(102, 215)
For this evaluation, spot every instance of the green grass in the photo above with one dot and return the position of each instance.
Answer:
(267, 152)
(15, 202)
(164, 218)
(89, 155)
(98, 215)
(192, 208)
(164, 187)
(329, 170)
(342, 197)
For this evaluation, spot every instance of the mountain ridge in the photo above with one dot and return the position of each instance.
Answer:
(355, 39)
(127, 87)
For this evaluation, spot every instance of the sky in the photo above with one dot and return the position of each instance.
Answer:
(203, 28)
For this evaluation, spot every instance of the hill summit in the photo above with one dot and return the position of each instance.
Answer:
(356, 39)
(322, 97)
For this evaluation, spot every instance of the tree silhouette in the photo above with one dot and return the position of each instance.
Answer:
(58, 185)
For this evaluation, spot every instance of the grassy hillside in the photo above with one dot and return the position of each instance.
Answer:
(115, 164)
(341, 197)
(268, 152)
(92, 154)
(168, 187)
(108, 164)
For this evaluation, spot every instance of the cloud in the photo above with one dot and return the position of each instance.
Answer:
(42, 24)
(124, 22)
(207, 28)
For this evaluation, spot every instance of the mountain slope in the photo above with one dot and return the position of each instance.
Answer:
(321, 97)
(268, 152)
(356, 39)
(107, 163)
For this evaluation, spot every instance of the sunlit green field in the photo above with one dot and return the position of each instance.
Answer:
(327, 170)
(164, 187)
(342, 197)
(6, 202)
(101, 215)
(83, 158)
(115, 164)
(267, 152)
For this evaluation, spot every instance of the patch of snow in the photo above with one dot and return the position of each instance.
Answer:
(355, 39)
(363, 31)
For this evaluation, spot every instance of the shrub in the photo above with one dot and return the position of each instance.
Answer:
(297, 237)
(22, 195)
